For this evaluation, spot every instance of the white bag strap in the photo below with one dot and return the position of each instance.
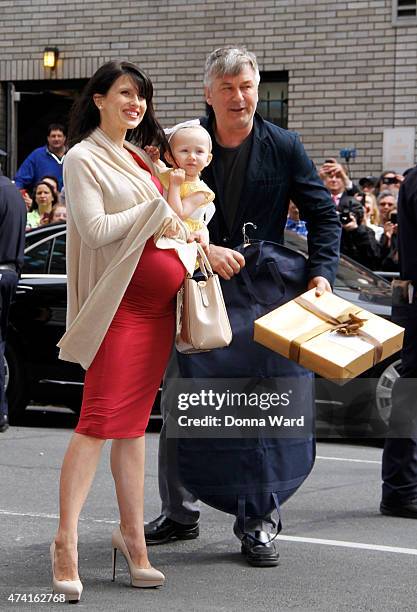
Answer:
(203, 263)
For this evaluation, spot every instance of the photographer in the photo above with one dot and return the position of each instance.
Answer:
(387, 202)
(358, 240)
(390, 181)
(389, 244)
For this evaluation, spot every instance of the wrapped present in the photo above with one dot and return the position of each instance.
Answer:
(328, 335)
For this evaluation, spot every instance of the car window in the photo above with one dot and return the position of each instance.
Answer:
(350, 274)
(57, 265)
(353, 276)
(36, 258)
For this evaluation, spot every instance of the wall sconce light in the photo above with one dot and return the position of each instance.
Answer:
(50, 57)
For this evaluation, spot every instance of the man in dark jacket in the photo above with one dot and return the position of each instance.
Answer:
(12, 243)
(257, 169)
(399, 460)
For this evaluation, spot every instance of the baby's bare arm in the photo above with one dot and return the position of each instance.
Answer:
(192, 202)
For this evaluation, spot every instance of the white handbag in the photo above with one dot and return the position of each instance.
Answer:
(202, 321)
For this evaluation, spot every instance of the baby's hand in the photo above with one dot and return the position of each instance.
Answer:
(201, 236)
(173, 230)
(177, 177)
(153, 152)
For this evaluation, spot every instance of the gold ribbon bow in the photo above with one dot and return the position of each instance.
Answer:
(352, 326)
(347, 323)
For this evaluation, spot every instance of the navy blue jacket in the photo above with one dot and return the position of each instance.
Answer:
(407, 226)
(12, 223)
(279, 170)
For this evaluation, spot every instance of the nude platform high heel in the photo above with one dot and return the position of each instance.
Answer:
(72, 589)
(144, 578)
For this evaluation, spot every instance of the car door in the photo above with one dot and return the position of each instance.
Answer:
(37, 322)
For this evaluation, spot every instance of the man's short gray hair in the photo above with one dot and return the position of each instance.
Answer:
(231, 61)
(385, 194)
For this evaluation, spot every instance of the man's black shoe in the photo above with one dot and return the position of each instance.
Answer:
(404, 510)
(4, 422)
(259, 550)
(164, 529)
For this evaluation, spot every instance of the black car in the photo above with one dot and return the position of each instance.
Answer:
(37, 322)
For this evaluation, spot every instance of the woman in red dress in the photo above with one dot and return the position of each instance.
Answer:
(124, 270)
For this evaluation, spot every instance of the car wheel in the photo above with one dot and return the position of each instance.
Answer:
(368, 415)
(383, 391)
(16, 383)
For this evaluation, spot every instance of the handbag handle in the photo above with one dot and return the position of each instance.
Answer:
(203, 262)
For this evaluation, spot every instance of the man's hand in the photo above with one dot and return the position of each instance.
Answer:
(177, 177)
(331, 168)
(321, 284)
(225, 262)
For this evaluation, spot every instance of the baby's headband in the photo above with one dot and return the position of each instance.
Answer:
(192, 123)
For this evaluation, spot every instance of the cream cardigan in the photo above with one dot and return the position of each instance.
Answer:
(113, 209)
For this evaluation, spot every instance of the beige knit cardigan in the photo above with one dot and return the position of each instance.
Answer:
(113, 208)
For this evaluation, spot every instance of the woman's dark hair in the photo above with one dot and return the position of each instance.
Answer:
(85, 116)
(54, 195)
(52, 178)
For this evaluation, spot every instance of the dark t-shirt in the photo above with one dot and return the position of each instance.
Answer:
(230, 166)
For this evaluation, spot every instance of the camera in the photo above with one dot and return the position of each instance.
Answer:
(352, 207)
(393, 218)
(389, 180)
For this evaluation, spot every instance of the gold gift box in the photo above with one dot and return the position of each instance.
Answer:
(328, 335)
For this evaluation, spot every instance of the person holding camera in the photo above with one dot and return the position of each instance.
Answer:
(389, 243)
(371, 212)
(390, 181)
(337, 181)
(386, 202)
(358, 239)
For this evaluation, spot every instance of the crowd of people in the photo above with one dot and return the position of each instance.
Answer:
(40, 180)
(367, 212)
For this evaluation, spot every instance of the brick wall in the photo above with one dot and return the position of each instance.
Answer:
(351, 73)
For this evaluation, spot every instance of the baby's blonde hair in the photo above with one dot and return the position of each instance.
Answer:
(190, 126)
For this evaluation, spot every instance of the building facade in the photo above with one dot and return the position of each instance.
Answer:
(340, 72)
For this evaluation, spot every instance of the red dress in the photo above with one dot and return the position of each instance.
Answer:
(123, 379)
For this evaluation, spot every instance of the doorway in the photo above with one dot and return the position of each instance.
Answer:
(36, 105)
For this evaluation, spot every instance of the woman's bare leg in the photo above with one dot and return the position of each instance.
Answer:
(77, 473)
(128, 468)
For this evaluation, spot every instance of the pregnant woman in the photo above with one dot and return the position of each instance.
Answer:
(125, 263)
